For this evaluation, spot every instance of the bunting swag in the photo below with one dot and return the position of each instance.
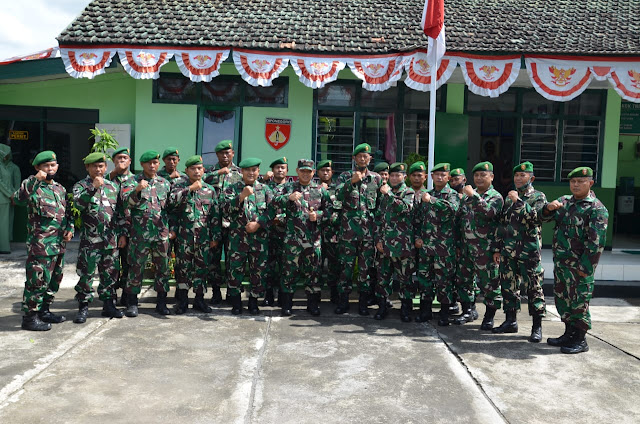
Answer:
(623, 76)
(200, 65)
(86, 63)
(316, 72)
(489, 76)
(259, 69)
(144, 63)
(559, 80)
(377, 74)
(419, 71)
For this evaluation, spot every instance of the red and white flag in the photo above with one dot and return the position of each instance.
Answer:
(433, 26)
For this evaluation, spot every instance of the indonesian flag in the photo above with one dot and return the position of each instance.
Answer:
(433, 26)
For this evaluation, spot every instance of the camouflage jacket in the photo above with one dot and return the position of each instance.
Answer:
(359, 202)
(331, 230)
(299, 230)
(255, 208)
(278, 227)
(479, 219)
(165, 174)
(520, 229)
(437, 220)
(149, 216)
(48, 216)
(98, 210)
(123, 182)
(394, 229)
(221, 182)
(196, 214)
(580, 232)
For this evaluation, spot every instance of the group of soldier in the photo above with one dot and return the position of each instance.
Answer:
(370, 227)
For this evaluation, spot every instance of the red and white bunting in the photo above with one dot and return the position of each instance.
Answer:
(316, 72)
(51, 52)
(419, 71)
(489, 76)
(377, 74)
(200, 65)
(559, 80)
(259, 69)
(144, 63)
(625, 79)
(86, 63)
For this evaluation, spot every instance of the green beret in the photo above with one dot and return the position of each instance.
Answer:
(95, 157)
(249, 162)
(583, 171)
(324, 163)
(441, 167)
(417, 166)
(46, 156)
(193, 160)
(398, 167)
(224, 145)
(457, 172)
(381, 167)
(523, 167)
(170, 151)
(362, 148)
(483, 166)
(149, 155)
(121, 150)
(279, 161)
(305, 164)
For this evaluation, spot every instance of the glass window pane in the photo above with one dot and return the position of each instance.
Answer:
(415, 133)
(538, 145)
(218, 125)
(378, 129)
(71, 144)
(414, 99)
(587, 103)
(177, 88)
(504, 103)
(387, 99)
(334, 140)
(580, 145)
(337, 94)
(277, 94)
(534, 103)
(221, 91)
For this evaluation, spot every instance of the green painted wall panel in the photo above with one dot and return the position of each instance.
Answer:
(452, 137)
(611, 138)
(628, 161)
(455, 98)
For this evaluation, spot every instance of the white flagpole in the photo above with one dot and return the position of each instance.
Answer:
(432, 123)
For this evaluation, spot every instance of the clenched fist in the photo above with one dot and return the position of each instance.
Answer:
(197, 185)
(468, 190)
(385, 188)
(426, 197)
(142, 185)
(513, 195)
(98, 182)
(554, 205)
(357, 176)
(41, 175)
(295, 196)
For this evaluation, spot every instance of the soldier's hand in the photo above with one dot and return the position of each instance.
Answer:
(554, 205)
(385, 188)
(496, 258)
(41, 175)
(460, 195)
(252, 227)
(513, 195)
(213, 244)
(268, 175)
(295, 196)
(426, 197)
(379, 247)
(67, 235)
(122, 242)
(175, 174)
(468, 190)
(172, 235)
(357, 176)
(582, 274)
(246, 192)
(98, 182)
(142, 185)
(223, 171)
(313, 215)
(197, 185)
(419, 243)
(326, 186)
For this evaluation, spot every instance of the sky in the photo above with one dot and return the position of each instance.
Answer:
(29, 26)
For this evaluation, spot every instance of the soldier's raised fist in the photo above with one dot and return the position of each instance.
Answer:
(357, 176)
(41, 175)
(554, 205)
(98, 182)
(223, 171)
(513, 195)
(426, 197)
(247, 191)
(295, 196)
(268, 175)
(197, 185)
(468, 190)
(385, 188)
(175, 174)
(142, 185)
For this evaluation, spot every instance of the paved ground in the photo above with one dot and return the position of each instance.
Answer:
(219, 368)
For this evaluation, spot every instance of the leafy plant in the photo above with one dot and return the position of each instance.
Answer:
(75, 212)
(103, 141)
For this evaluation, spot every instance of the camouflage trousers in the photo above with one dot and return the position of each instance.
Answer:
(486, 273)
(139, 252)
(242, 254)
(399, 270)
(44, 274)
(106, 263)
(301, 264)
(275, 259)
(572, 294)
(435, 277)
(334, 267)
(216, 277)
(191, 267)
(464, 283)
(514, 271)
(351, 250)
(123, 255)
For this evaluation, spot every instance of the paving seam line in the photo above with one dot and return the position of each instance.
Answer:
(258, 371)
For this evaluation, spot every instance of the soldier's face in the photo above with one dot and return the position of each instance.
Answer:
(580, 186)
(280, 171)
(150, 168)
(121, 162)
(250, 175)
(51, 168)
(417, 179)
(195, 172)
(225, 157)
(325, 174)
(483, 180)
(171, 162)
(457, 180)
(395, 178)
(385, 176)
(362, 160)
(521, 179)
(96, 169)
(305, 176)
(440, 179)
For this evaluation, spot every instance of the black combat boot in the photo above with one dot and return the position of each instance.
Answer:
(372, 299)
(182, 301)
(132, 305)
(198, 303)
(444, 315)
(564, 339)
(466, 314)
(383, 311)
(236, 304)
(123, 299)
(161, 304)
(277, 302)
(510, 325)
(363, 304)
(406, 306)
(536, 329)
(454, 309)
(426, 312)
(487, 321)
(343, 304)
(47, 316)
(216, 297)
(109, 309)
(577, 342)
(286, 303)
(313, 304)
(31, 321)
(83, 313)
(268, 298)
(335, 297)
(252, 305)
(474, 312)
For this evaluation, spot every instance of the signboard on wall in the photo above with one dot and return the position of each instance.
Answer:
(18, 135)
(277, 132)
(630, 118)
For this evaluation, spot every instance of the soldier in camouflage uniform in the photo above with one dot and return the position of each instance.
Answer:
(100, 234)
(578, 241)
(330, 232)
(394, 241)
(435, 237)
(358, 191)
(170, 171)
(479, 221)
(50, 227)
(381, 168)
(307, 206)
(520, 236)
(247, 205)
(147, 200)
(196, 230)
(222, 175)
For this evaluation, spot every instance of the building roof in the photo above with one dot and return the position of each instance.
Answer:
(603, 27)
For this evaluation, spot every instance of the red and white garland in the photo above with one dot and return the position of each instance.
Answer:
(200, 65)
(489, 76)
(144, 63)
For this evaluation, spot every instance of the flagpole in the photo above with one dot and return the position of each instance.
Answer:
(432, 124)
